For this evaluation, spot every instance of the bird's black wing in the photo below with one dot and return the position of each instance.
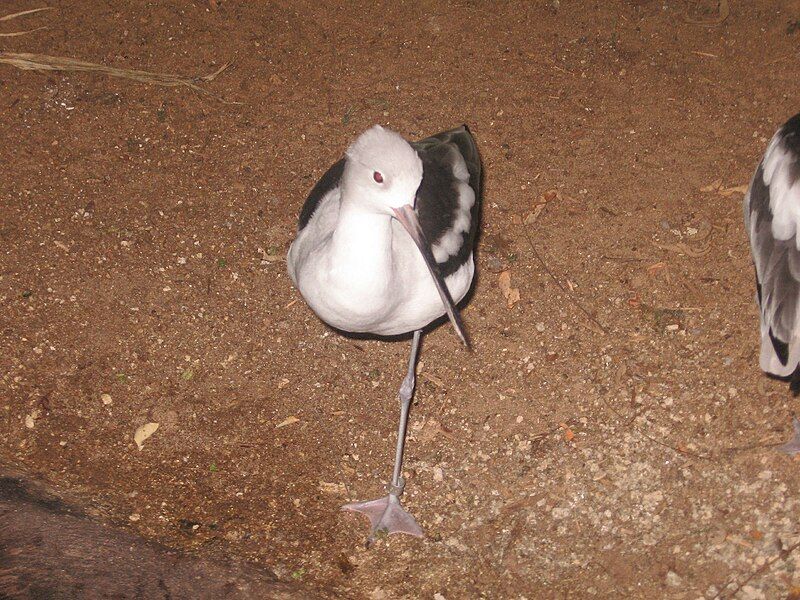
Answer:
(772, 215)
(448, 199)
(326, 183)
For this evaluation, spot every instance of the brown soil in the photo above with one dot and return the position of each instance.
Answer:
(142, 237)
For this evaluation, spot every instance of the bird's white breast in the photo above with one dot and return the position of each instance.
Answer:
(377, 282)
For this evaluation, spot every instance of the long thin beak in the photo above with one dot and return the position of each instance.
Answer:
(408, 219)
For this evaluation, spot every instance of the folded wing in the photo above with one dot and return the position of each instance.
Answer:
(772, 217)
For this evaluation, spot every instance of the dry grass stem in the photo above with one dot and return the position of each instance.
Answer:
(20, 14)
(42, 62)
(16, 33)
(24, 12)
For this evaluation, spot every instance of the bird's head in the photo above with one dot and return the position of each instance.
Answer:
(382, 171)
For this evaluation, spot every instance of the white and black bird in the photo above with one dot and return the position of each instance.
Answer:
(772, 218)
(384, 246)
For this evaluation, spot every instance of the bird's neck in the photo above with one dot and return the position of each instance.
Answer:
(362, 240)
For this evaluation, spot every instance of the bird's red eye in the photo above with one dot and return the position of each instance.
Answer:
(377, 177)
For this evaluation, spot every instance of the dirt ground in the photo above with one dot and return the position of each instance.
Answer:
(610, 436)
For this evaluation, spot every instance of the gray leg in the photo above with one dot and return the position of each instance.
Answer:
(385, 514)
(406, 393)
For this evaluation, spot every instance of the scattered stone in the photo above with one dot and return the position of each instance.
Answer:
(332, 488)
(673, 579)
(143, 433)
(748, 592)
(234, 535)
(494, 264)
(287, 421)
(188, 526)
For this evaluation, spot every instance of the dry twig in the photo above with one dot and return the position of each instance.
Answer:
(20, 14)
(24, 12)
(596, 325)
(683, 248)
(16, 33)
(41, 62)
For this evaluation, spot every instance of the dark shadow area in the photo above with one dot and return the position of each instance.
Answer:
(50, 548)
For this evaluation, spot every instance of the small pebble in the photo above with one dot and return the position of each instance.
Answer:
(749, 592)
(673, 579)
(494, 264)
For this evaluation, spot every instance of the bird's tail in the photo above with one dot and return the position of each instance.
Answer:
(770, 361)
